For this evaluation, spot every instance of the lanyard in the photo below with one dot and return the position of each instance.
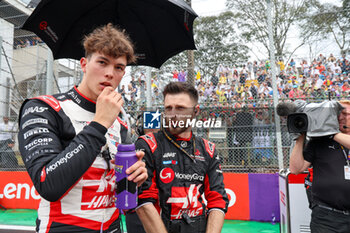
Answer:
(180, 148)
(347, 156)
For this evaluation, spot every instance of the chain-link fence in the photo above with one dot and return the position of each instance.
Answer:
(246, 139)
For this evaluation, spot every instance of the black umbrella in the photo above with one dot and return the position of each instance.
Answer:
(159, 29)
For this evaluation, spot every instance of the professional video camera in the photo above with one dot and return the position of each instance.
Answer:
(316, 119)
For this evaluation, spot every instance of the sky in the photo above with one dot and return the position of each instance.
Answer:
(208, 7)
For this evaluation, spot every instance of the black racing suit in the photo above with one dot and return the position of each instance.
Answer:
(176, 182)
(67, 156)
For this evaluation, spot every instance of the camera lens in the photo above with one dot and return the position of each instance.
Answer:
(299, 122)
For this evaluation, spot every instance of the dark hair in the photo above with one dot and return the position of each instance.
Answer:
(181, 87)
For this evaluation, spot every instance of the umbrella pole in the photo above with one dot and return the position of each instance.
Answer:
(148, 87)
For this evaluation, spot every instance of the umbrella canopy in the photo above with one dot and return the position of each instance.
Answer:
(159, 29)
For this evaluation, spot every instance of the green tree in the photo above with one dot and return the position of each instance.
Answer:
(217, 43)
(329, 21)
(251, 19)
(346, 8)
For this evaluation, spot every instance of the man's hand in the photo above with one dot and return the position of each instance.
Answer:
(138, 172)
(108, 105)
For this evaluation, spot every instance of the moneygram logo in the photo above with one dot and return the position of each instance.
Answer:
(189, 177)
(167, 175)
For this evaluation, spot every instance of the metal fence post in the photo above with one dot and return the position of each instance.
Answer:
(274, 85)
(49, 74)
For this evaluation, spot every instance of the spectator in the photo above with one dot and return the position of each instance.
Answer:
(7, 156)
(182, 76)
(253, 90)
(175, 75)
(214, 79)
(280, 64)
(331, 58)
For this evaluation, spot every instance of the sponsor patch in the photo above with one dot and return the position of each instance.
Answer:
(64, 159)
(33, 110)
(200, 158)
(197, 152)
(166, 175)
(167, 162)
(209, 147)
(38, 142)
(189, 177)
(50, 100)
(38, 152)
(35, 121)
(35, 131)
(169, 155)
(185, 200)
(183, 144)
(151, 141)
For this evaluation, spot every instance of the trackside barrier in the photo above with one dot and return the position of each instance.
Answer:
(295, 213)
(252, 196)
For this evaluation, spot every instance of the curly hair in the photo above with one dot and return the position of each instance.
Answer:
(110, 41)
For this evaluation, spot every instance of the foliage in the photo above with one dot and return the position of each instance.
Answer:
(251, 18)
(217, 43)
(330, 21)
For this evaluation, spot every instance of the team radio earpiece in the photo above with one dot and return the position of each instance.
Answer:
(139, 125)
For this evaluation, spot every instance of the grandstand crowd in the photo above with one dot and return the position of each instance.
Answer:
(322, 78)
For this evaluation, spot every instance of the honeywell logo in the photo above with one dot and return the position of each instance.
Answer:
(189, 177)
(64, 159)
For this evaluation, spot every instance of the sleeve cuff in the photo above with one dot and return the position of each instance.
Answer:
(146, 203)
(223, 212)
(99, 127)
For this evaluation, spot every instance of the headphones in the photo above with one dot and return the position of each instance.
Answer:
(139, 125)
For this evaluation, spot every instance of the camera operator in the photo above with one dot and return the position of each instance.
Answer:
(329, 156)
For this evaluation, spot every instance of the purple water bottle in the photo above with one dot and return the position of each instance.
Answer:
(126, 192)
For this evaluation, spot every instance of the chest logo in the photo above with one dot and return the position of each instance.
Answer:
(167, 175)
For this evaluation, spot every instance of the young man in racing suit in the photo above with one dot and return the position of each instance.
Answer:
(67, 141)
(181, 167)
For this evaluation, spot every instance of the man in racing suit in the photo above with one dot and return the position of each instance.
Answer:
(67, 141)
(181, 167)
